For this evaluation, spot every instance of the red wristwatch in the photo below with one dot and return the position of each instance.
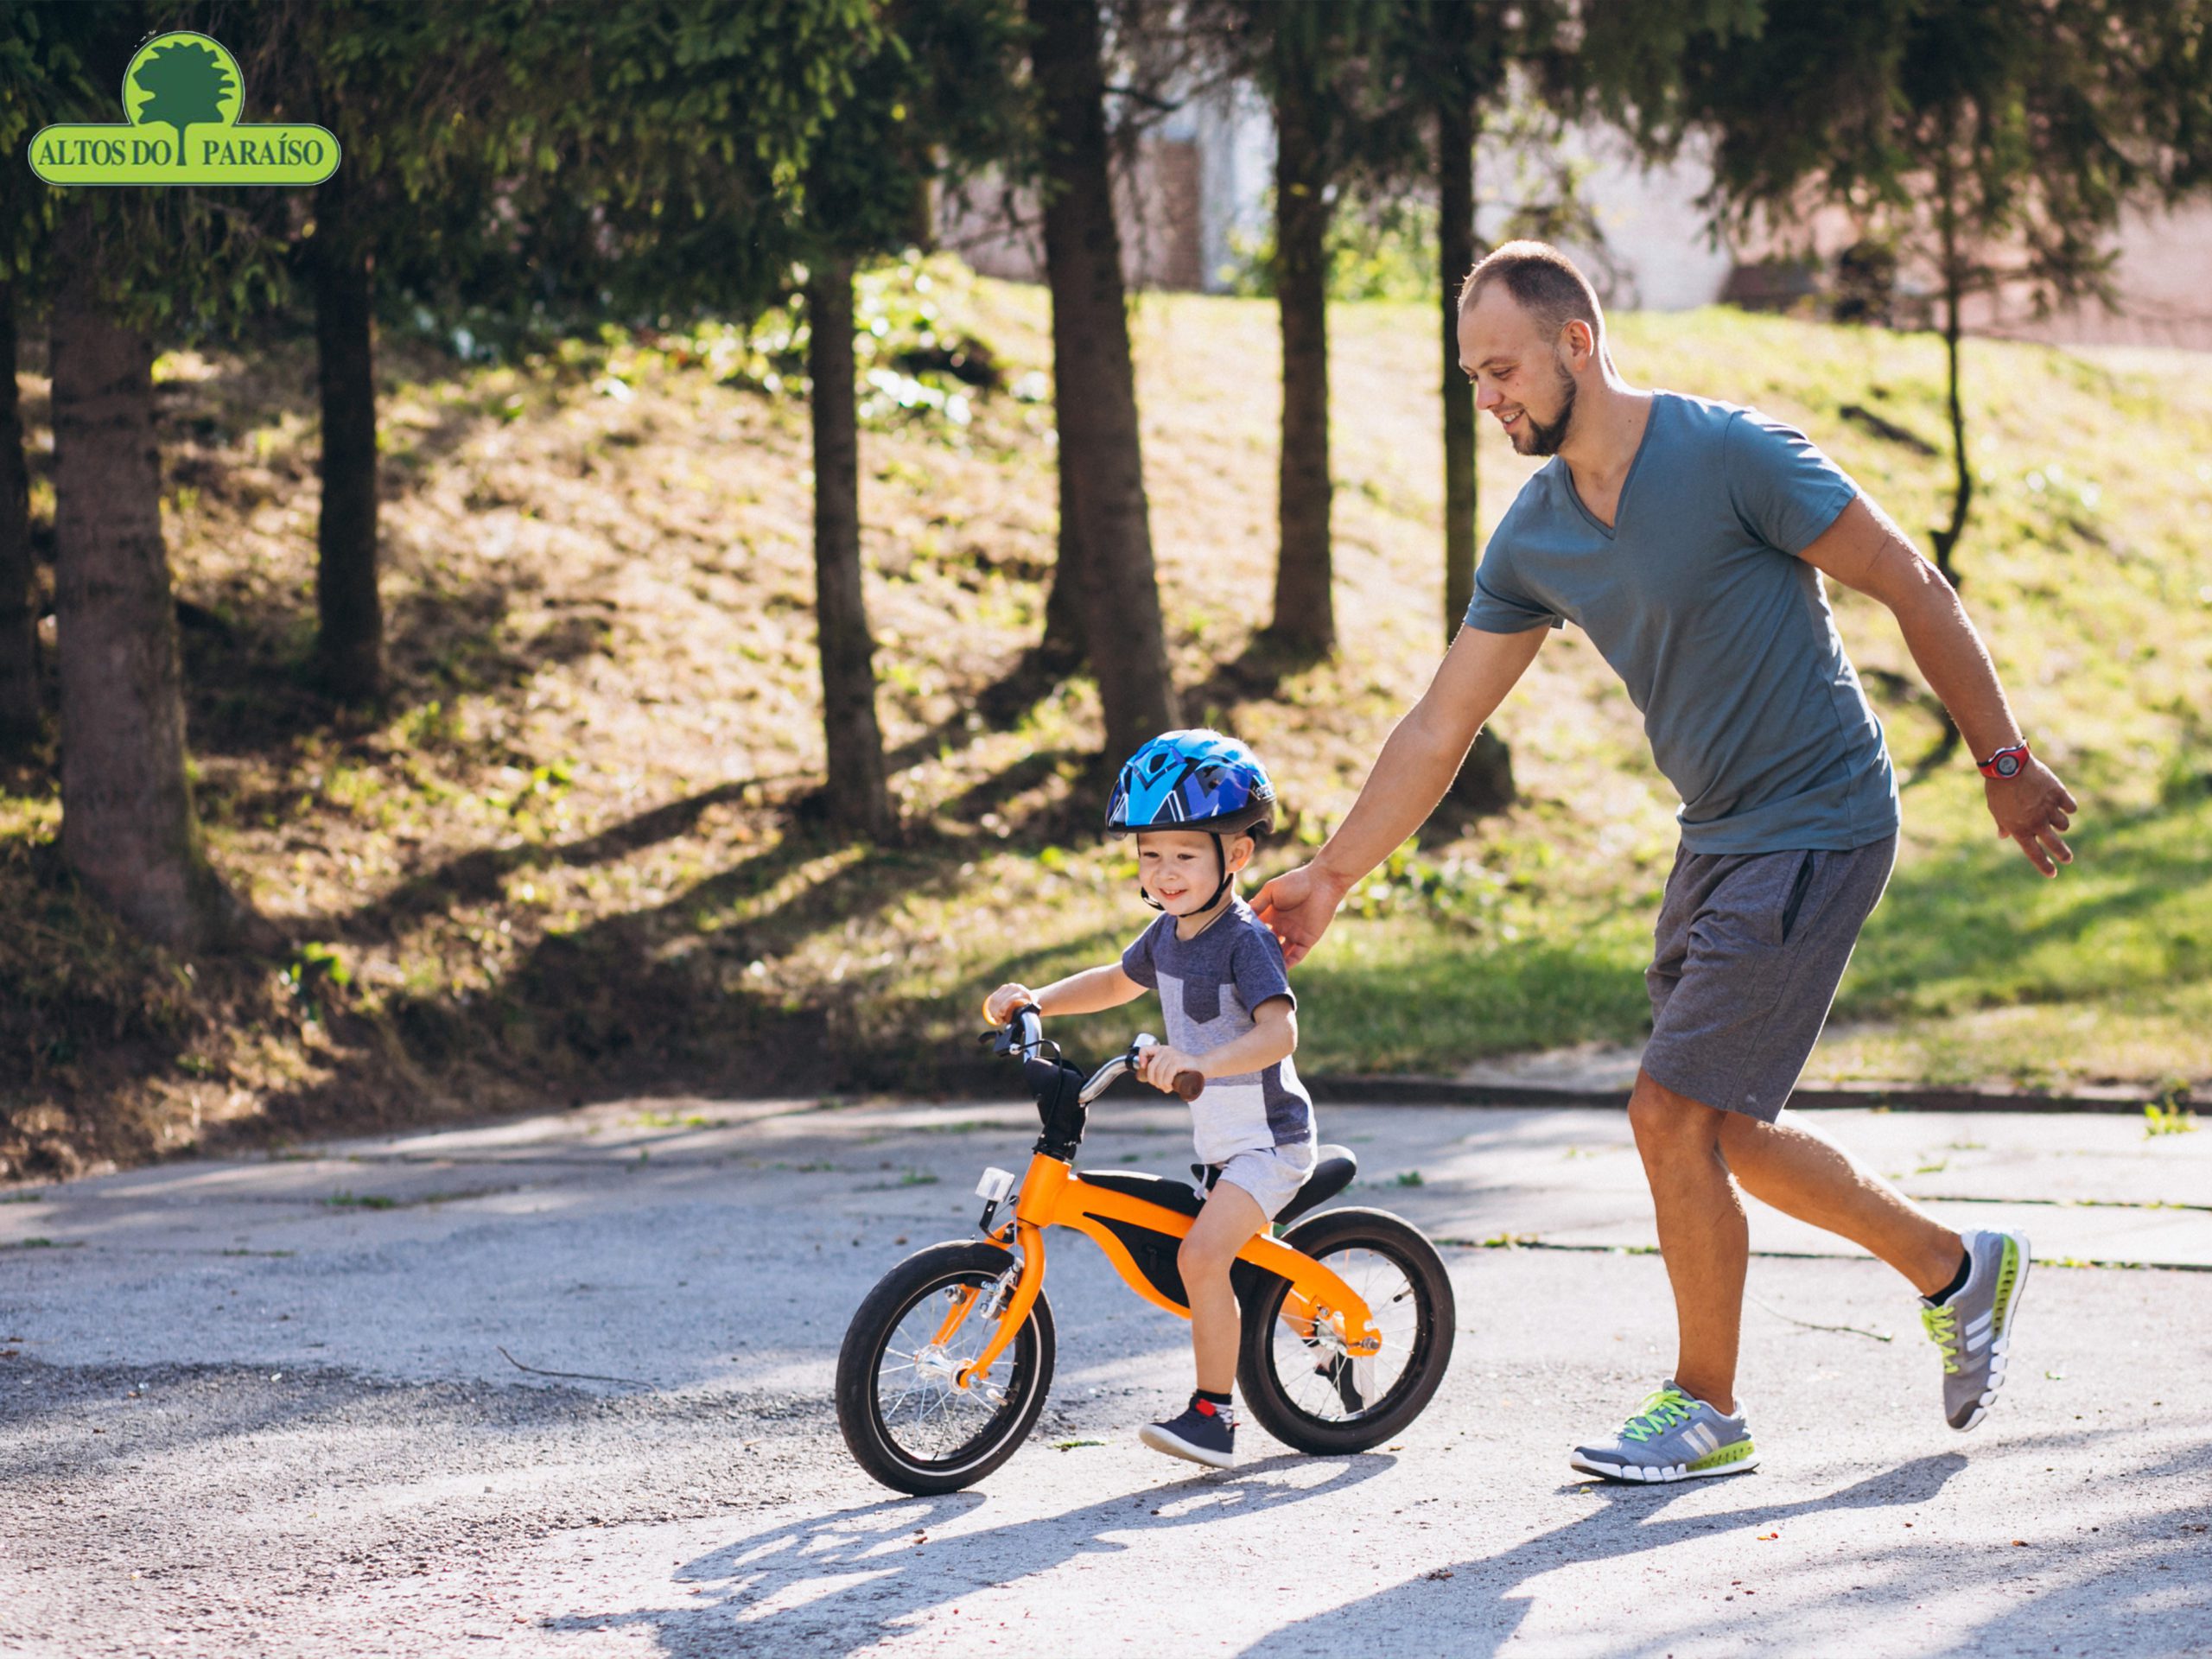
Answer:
(2006, 763)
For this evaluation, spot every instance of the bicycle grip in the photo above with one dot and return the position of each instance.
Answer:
(1189, 1084)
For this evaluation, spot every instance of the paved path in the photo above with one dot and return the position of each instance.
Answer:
(260, 1407)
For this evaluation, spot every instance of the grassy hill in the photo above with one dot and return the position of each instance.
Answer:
(572, 853)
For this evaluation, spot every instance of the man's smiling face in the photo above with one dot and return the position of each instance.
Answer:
(1521, 375)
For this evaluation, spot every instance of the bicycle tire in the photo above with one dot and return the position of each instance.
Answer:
(861, 1416)
(1269, 1396)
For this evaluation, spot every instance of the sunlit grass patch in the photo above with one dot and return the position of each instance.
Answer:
(574, 844)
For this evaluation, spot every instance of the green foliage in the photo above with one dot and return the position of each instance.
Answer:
(1383, 251)
(917, 364)
(940, 93)
(43, 72)
(1998, 143)
(2168, 1117)
(668, 166)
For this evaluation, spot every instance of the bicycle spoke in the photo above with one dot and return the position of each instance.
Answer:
(921, 1408)
(1312, 1369)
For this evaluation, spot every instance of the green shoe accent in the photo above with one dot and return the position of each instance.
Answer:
(1973, 1330)
(2008, 1276)
(1663, 1410)
(1673, 1436)
(1724, 1457)
(1943, 1326)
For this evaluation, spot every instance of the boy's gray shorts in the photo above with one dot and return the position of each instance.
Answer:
(1747, 956)
(1274, 1176)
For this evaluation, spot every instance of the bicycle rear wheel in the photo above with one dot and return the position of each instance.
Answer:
(1299, 1384)
(903, 1418)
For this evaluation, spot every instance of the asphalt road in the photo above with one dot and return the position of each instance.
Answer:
(261, 1408)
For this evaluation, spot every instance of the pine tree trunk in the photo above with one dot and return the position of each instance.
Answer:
(1095, 384)
(18, 607)
(859, 797)
(1455, 237)
(1305, 613)
(1947, 539)
(1063, 648)
(128, 827)
(349, 640)
(1953, 274)
(1485, 783)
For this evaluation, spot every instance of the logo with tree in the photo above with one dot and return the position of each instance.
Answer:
(183, 95)
(183, 82)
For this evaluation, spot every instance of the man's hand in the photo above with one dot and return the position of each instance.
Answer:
(1003, 1001)
(1160, 1066)
(1299, 905)
(2033, 809)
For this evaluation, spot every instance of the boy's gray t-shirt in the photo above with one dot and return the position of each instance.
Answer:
(1208, 987)
(1722, 634)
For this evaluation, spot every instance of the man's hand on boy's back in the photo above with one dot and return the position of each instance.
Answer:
(1298, 905)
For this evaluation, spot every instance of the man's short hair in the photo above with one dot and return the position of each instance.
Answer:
(1542, 281)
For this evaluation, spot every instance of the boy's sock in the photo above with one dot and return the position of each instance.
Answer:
(1214, 1405)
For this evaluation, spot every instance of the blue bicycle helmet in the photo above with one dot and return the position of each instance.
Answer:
(1196, 779)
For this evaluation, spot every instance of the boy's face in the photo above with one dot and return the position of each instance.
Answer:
(1178, 870)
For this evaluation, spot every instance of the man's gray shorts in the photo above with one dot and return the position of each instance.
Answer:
(1748, 953)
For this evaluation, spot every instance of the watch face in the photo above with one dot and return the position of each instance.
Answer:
(2008, 765)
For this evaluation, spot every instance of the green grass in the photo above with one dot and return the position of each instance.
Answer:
(569, 849)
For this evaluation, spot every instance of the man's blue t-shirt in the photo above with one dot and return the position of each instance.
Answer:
(1722, 634)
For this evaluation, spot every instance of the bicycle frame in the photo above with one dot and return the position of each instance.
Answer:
(1054, 1195)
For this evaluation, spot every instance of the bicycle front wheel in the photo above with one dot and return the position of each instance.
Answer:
(904, 1417)
(1301, 1384)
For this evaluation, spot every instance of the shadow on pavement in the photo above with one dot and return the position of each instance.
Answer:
(1478, 1603)
(844, 1581)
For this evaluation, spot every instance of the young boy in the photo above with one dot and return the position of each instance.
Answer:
(1195, 800)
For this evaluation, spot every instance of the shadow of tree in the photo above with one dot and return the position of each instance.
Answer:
(1254, 675)
(765, 1592)
(1476, 1601)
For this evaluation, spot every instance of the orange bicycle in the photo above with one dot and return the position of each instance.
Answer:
(1347, 1315)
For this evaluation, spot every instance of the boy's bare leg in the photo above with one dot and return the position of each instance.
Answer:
(1803, 1174)
(1226, 1226)
(1702, 1237)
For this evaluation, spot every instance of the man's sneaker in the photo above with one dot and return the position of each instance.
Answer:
(1672, 1437)
(1975, 1328)
(1202, 1433)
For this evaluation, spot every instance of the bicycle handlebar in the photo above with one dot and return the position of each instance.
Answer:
(1024, 1039)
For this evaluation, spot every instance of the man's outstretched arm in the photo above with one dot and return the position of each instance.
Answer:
(1865, 550)
(1416, 766)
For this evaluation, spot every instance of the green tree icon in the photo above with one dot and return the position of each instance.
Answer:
(186, 85)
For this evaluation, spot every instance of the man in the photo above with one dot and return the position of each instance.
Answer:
(1689, 539)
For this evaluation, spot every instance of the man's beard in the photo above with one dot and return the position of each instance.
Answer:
(1544, 438)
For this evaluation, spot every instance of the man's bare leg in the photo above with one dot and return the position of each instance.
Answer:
(1702, 1235)
(1803, 1174)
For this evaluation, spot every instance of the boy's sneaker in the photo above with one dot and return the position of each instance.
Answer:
(1974, 1329)
(1204, 1433)
(1672, 1437)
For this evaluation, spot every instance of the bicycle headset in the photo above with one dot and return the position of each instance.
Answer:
(1195, 780)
